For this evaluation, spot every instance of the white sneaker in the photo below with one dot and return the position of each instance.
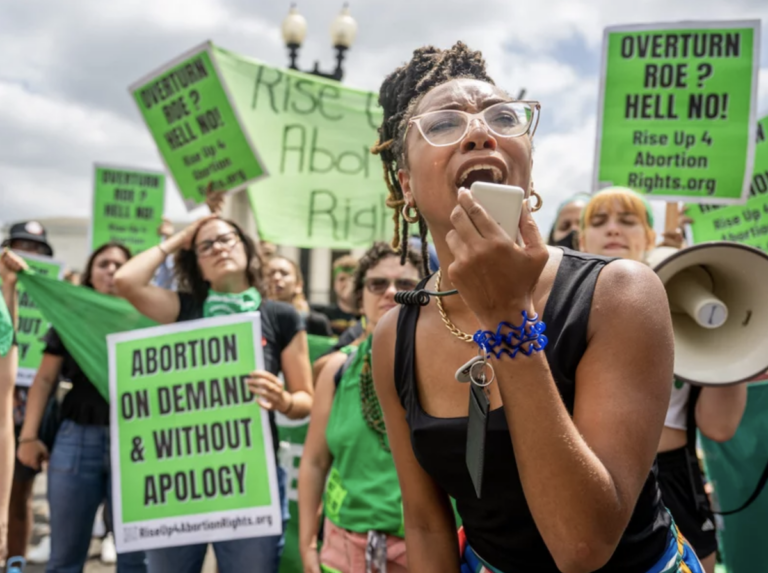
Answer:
(99, 529)
(41, 552)
(108, 551)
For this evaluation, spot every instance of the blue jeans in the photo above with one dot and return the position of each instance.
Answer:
(260, 554)
(78, 481)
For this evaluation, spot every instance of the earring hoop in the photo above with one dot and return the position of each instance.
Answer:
(406, 212)
(539, 200)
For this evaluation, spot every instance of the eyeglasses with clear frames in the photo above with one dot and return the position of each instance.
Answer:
(226, 240)
(441, 128)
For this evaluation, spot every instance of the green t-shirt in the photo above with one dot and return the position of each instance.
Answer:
(362, 493)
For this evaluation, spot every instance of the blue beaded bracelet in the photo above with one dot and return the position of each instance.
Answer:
(527, 338)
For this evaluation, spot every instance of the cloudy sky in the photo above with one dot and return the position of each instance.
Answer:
(66, 66)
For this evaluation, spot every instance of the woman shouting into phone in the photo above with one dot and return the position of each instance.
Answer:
(565, 482)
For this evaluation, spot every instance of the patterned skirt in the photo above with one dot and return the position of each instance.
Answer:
(678, 558)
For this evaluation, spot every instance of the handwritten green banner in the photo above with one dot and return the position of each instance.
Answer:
(325, 188)
(127, 207)
(188, 112)
(748, 223)
(677, 110)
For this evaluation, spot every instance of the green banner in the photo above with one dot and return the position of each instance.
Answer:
(677, 110)
(127, 207)
(32, 325)
(734, 468)
(192, 454)
(188, 112)
(325, 188)
(748, 223)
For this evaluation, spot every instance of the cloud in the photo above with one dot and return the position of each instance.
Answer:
(64, 102)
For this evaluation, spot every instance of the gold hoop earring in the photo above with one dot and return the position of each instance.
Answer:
(539, 200)
(406, 212)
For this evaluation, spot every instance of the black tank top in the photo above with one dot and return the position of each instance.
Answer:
(500, 527)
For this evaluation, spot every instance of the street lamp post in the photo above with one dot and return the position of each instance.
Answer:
(343, 32)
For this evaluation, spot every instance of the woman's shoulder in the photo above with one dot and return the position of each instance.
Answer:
(631, 291)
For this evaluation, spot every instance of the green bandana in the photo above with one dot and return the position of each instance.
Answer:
(222, 304)
(346, 270)
(6, 328)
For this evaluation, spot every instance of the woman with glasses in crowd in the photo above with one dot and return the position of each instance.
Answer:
(347, 454)
(219, 272)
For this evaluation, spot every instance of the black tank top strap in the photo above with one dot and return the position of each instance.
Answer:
(567, 316)
(404, 354)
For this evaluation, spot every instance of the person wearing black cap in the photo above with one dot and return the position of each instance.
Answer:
(26, 237)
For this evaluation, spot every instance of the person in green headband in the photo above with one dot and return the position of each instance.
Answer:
(617, 222)
(343, 314)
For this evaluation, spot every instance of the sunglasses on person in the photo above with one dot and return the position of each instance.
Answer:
(506, 119)
(226, 240)
(379, 285)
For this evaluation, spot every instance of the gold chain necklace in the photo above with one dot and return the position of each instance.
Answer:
(453, 329)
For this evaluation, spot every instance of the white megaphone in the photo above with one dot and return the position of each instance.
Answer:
(718, 295)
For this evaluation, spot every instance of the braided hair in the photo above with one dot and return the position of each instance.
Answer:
(399, 95)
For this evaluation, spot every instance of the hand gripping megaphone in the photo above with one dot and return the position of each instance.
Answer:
(718, 295)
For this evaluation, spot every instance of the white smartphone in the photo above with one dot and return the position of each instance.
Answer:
(502, 202)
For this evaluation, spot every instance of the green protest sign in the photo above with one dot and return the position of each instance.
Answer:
(188, 112)
(677, 111)
(325, 188)
(127, 207)
(32, 326)
(192, 454)
(748, 223)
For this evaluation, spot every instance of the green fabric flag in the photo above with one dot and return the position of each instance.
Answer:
(6, 328)
(83, 318)
(319, 345)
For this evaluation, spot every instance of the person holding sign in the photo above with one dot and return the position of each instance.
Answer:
(78, 468)
(618, 222)
(347, 451)
(24, 237)
(286, 283)
(220, 272)
(546, 472)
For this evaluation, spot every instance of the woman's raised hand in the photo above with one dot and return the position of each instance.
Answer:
(494, 275)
